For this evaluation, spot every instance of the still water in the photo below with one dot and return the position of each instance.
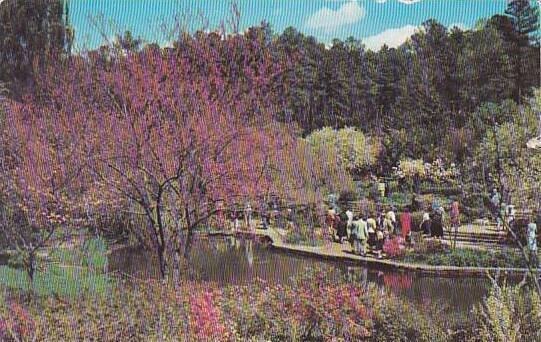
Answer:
(235, 261)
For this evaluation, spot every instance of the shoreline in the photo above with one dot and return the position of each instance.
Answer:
(388, 264)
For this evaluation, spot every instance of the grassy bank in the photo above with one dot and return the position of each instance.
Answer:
(318, 307)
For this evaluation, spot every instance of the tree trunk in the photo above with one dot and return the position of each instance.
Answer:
(30, 269)
(162, 262)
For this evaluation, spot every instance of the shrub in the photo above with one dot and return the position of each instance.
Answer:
(393, 248)
(347, 196)
(425, 246)
(356, 153)
(508, 314)
(400, 199)
(304, 236)
(398, 321)
(435, 253)
(16, 324)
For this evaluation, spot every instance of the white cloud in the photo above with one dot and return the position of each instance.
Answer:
(392, 37)
(349, 13)
(407, 2)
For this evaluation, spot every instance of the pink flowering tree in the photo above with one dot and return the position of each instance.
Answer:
(163, 135)
(41, 182)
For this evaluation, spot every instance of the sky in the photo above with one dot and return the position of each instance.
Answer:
(375, 22)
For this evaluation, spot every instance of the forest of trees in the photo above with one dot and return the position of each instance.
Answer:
(419, 99)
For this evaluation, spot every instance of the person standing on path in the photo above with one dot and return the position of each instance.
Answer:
(426, 225)
(455, 220)
(405, 225)
(437, 224)
(248, 216)
(388, 225)
(532, 243)
(360, 236)
(381, 188)
(341, 227)
(349, 214)
(330, 221)
(372, 228)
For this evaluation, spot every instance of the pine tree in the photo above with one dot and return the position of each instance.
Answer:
(31, 31)
(524, 19)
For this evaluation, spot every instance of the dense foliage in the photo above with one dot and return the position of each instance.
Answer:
(319, 307)
(355, 151)
(32, 33)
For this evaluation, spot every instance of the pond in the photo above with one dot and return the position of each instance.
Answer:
(236, 261)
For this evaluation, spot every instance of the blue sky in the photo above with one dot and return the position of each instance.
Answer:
(373, 21)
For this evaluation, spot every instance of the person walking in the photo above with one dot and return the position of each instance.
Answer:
(388, 223)
(341, 227)
(360, 236)
(349, 214)
(532, 243)
(426, 225)
(437, 224)
(372, 228)
(405, 225)
(455, 220)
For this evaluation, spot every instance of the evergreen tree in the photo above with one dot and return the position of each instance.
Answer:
(524, 22)
(31, 31)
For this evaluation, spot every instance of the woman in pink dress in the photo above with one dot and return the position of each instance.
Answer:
(405, 224)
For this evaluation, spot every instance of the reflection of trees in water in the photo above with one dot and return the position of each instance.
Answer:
(236, 261)
(249, 252)
(397, 282)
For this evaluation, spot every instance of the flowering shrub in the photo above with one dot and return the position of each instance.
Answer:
(394, 247)
(16, 324)
(425, 246)
(320, 306)
(419, 170)
(354, 150)
(205, 320)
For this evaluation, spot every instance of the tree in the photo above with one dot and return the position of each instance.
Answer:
(40, 183)
(524, 21)
(504, 154)
(127, 43)
(356, 152)
(32, 32)
(162, 135)
(482, 81)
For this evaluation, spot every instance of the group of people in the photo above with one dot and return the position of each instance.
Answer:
(244, 217)
(366, 232)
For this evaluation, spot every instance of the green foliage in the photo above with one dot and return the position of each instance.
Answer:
(508, 314)
(355, 151)
(304, 236)
(320, 306)
(396, 320)
(31, 31)
(504, 152)
(439, 255)
(68, 273)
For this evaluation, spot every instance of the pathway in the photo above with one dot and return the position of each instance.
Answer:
(342, 252)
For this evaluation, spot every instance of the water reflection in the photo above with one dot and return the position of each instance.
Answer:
(235, 261)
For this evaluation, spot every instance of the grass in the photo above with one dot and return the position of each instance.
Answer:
(303, 237)
(66, 273)
(463, 257)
